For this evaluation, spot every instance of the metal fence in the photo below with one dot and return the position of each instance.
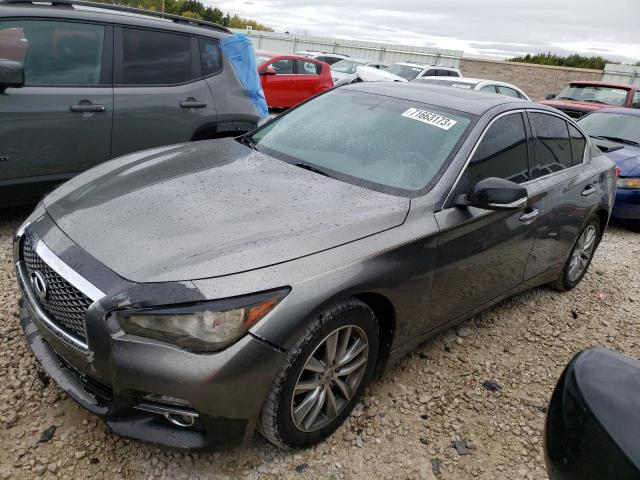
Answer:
(621, 73)
(384, 52)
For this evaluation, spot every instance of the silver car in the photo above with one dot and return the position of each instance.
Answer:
(478, 84)
(345, 72)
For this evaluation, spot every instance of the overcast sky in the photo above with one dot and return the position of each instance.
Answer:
(490, 28)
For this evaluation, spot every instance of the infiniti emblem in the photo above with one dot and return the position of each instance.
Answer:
(39, 284)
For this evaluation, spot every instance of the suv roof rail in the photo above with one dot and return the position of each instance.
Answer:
(123, 8)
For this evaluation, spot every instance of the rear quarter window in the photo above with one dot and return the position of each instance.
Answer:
(552, 147)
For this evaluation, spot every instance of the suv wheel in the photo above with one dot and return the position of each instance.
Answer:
(323, 378)
(580, 257)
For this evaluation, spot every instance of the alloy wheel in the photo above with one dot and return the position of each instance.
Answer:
(582, 253)
(329, 379)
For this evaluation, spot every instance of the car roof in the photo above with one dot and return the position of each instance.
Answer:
(106, 13)
(424, 65)
(627, 86)
(468, 101)
(634, 112)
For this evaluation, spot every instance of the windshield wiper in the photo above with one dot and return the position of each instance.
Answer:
(618, 139)
(313, 169)
(245, 140)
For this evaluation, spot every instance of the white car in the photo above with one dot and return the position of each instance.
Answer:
(344, 71)
(325, 57)
(478, 84)
(405, 72)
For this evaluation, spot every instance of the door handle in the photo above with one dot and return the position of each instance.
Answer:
(87, 107)
(192, 104)
(529, 215)
(588, 190)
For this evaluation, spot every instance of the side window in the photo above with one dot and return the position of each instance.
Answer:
(308, 68)
(154, 58)
(488, 89)
(502, 152)
(210, 56)
(551, 145)
(443, 73)
(283, 66)
(636, 100)
(578, 144)
(509, 92)
(453, 73)
(430, 73)
(54, 53)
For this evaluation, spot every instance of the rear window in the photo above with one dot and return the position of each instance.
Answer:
(371, 140)
(552, 147)
(154, 58)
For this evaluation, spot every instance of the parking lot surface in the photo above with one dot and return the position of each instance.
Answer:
(468, 404)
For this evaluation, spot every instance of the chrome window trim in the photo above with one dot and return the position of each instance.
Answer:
(504, 114)
(41, 315)
(473, 152)
(66, 272)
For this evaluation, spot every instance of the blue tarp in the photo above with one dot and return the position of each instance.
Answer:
(238, 49)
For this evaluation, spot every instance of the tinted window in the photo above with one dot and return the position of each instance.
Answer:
(283, 66)
(308, 68)
(509, 92)
(636, 100)
(210, 56)
(329, 60)
(552, 149)
(578, 142)
(54, 53)
(453, 73)
(430, 73)
(502, 152)
(361, 137)
(488, 89)
(154, 58)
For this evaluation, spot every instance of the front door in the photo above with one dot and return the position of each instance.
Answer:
(482, 254)
(278, 88)
(59, 123)
(160, 97)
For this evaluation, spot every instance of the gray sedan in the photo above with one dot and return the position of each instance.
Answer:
(191, 294)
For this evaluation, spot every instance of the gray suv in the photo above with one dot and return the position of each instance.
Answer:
(100, 81)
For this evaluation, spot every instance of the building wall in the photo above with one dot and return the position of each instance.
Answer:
(622, 73)
(536, 80)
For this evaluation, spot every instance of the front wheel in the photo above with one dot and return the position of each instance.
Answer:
(580, 257)
(323, 378)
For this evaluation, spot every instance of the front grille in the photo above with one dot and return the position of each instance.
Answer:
(65, 304)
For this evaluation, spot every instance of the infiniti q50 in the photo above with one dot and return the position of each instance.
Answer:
(192, 294)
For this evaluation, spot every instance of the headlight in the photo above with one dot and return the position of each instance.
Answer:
(628, 182)
(202, 327)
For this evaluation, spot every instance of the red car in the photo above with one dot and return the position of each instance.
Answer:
(290, 79)
(582, 97)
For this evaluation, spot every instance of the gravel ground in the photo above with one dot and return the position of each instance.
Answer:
(407, 422)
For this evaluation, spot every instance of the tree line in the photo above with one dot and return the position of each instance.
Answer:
(575, 60)
(194, 9)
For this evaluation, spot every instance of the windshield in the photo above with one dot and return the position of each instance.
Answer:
(612, 125)
(346, 66)
(595, 94)
(404, 71)
(371, 140)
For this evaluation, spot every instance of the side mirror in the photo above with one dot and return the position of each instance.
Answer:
(269, 71)
(11, 74)
(550, 96)
(593, 420)
(495, 194)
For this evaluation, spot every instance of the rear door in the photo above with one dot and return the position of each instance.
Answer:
(59, 123)
(160, 96)
(481, 253)
(570, 189)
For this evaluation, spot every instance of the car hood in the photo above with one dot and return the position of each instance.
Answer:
(213, 208)
(627, 159)
(371, 74)
(574, 105)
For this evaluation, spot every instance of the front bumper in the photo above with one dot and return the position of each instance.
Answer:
(627, 204)
(223, 391)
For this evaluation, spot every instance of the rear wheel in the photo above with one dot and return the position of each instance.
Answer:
(580, 257)
(324, 377)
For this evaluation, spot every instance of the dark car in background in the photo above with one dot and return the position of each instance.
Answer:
(191, 293)
(102, 81)
(582, 97)
(617, 132)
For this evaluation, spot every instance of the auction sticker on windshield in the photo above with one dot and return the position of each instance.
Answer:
(430, 118)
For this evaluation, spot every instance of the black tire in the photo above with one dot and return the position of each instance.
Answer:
(564, 282)
(276, 421)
